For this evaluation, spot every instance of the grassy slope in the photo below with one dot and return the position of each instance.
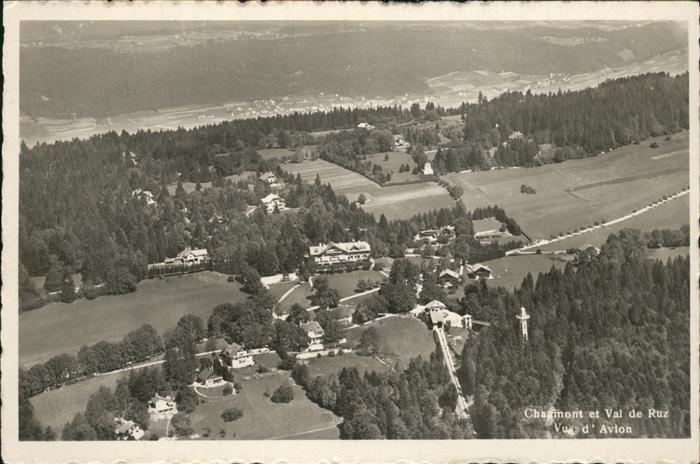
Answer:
(64, 328)
(635, 175)
(262, 418)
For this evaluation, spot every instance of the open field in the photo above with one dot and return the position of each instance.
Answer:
(394, 201)
(343, 180)
(52, 330)
(404, 201)
(263, 419)
(670, 215)
(333, 365)
(578, 193)
(402, 338)
(56, 407)
(510, 271)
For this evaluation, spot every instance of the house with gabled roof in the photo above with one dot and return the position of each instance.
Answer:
(478, 271)
(449, 278)
(209, 378)
(327, 254)
(315, 333)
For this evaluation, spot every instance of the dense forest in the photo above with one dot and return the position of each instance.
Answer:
(368, 60)
(514, 128)
(609, 333)
(79, 213)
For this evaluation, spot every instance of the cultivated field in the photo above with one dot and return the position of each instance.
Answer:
(402, 338)
(670, 215)
(53, 330)
(395, 202)
(578, 193)
(263, 419)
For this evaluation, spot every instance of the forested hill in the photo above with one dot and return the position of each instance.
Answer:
(611, 333)
(573, 123)
(370, 60)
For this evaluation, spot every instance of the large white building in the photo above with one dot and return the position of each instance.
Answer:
(341, 252)
(273, 201)
(236, 357)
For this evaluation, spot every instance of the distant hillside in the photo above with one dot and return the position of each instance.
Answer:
(68, 79)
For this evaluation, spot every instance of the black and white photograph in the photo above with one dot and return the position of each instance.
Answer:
(237, 228)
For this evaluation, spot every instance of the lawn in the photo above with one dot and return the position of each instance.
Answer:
(263, 419)
(343, 180)
(402, 338)
(510, 271)
(56, 407)
(346, 282)
(392, 165)
(670, 215)
(64, 328)
(333, 365)
(577, 193)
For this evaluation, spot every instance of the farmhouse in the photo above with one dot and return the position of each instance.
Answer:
(315, 333)
(365, 125)
(236, 357)
(479, 271)
(269, 178)
(341, 252)
(126, 429)
(273, 201)
(343, 314)
(162, 406)
(427, 169)
(209, 378)
(449, 278)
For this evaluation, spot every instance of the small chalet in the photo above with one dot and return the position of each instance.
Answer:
(209, 378)
(236, 357)
(432, 235)
(315, 333)
(427, 169)
(340, 252)
(162, 405)
(273, 201)
(516, 135)
(449, 278)
(365, 125)
(343, 314)
(269, 178)
(479, 271)
(192, 256)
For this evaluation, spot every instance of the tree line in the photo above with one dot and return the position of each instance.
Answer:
(511, 129)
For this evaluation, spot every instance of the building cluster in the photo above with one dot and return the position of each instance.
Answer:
(439, 315)
(432, 236)
(326, 255)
